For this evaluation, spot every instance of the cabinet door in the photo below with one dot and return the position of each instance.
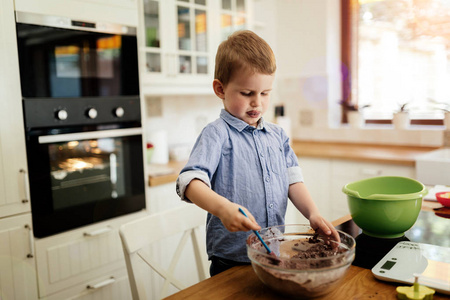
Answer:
(70, 259)
(13, 164)
(150, 36)
(316, 173)
(178, 40)
(234, 15)
(175, 45)
(17, 267)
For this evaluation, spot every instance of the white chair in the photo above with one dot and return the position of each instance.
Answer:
(137, 235)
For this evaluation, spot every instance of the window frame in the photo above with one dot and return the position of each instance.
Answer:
(349, 65)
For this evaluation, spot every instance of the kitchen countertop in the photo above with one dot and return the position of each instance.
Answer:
(391, 154)
(158, 179)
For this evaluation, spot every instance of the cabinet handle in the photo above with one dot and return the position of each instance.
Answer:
(370, 172)
(30, 237)
(98, 231)
(101, 284)
(25, 186)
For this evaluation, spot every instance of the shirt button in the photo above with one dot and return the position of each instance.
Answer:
(271, 205)
(267, 179)
(262, 154)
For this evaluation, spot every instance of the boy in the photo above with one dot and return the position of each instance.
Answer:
(240, 160)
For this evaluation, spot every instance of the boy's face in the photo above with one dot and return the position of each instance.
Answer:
(246, 96)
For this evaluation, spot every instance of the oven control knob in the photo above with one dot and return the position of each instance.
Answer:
(61, 114)
(91, 113)
(119, 112)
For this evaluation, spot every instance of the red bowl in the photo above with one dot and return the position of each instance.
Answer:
(443, 198)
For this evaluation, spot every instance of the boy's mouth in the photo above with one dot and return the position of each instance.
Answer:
(253, 114)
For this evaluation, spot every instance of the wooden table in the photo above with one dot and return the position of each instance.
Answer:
(242, 283)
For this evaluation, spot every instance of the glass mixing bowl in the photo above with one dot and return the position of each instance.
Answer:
(306, 265)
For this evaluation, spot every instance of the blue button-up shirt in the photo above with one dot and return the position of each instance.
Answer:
(249, 166)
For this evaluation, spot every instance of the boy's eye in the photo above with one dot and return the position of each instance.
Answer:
(246, 94)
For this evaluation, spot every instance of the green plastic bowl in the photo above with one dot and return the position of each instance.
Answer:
(385, 206)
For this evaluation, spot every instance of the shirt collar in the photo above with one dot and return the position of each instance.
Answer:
(240, 125)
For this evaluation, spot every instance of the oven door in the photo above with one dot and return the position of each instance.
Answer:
(81, 178)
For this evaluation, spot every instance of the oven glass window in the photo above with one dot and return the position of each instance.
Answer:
(57, 62)
(80, 181)
(86, 171)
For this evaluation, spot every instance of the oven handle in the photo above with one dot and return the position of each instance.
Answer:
(67, 137)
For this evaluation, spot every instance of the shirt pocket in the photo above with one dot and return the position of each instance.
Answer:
(276, 160)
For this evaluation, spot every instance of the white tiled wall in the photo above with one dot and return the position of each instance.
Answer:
(183, 117)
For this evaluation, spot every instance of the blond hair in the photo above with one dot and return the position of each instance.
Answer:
(243, 49)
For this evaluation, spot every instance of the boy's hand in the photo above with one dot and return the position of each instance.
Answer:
(324, 227)
(233, 220)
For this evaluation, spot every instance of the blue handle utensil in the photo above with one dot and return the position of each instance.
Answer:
(257, 233)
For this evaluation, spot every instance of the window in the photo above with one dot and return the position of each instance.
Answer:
(397, 52)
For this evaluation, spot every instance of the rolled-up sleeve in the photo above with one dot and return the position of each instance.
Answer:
(186, 177)
(295, 175)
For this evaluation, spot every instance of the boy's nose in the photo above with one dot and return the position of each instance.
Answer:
(256, 101)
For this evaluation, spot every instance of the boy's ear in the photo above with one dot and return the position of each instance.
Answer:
(218, 89)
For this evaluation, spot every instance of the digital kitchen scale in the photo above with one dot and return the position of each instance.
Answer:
(430, 262)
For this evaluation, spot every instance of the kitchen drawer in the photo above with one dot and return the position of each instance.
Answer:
(111, 286)
(80, 255)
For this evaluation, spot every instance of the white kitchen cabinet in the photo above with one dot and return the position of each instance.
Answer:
(326, 177)
(162, 197)
(112, 11)
(178, 42)
(317, 176)
(18, 279)
(71, 263)
(13, 163)
(17, 260)
(114, 285)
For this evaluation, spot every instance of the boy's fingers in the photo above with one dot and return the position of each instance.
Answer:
(250, 223)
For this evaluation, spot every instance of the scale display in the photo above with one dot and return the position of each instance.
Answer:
(430, 262)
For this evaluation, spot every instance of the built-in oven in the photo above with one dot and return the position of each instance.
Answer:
(82, 115)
